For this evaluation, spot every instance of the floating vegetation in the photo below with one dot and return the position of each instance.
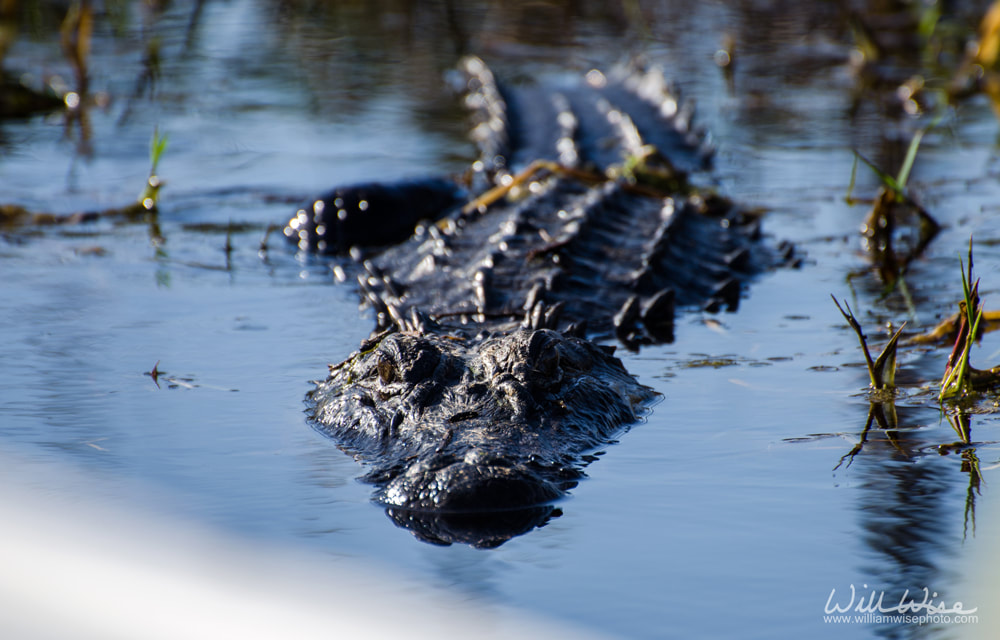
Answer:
(647, 172)
(712, 362)
(154, 373)
(947, 329)
(12, 215)
(226, 227)
(648, 168)
(179, 382)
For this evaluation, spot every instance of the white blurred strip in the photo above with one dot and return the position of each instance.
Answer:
(73, 568)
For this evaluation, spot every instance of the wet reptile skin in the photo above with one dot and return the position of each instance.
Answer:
(482, 389)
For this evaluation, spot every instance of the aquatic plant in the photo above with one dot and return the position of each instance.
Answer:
(150, 193)
(960, 377)
(74, 34)
(882, 370)
(957, 380)
(896, 186)
(979, 72)
(891, 209)
(12, 215)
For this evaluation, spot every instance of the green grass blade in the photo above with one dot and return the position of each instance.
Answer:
(849, 198)
(911, 152)
(886, 179)
(157, 146)
(911, 156)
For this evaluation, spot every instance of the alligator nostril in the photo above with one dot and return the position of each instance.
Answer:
(462, 416)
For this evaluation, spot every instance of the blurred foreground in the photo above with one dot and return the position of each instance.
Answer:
(75, 567)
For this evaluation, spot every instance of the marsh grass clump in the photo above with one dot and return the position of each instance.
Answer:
(881, 370)
(960, 378)
(957, 380)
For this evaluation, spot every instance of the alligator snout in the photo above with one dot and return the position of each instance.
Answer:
(479, 482)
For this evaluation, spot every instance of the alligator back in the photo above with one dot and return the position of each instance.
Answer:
(576, 244)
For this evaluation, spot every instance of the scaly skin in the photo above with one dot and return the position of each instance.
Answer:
(481, 391)
(475, 425)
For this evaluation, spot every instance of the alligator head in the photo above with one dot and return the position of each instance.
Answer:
(450, 423)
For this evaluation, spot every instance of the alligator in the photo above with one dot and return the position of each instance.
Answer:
(488, 382)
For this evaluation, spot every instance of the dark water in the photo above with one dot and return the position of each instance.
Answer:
(725, 514)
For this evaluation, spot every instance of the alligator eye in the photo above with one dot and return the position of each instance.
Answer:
(386, 370)
(544, 354)
(547, 362)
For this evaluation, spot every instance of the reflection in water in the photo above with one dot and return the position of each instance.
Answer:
(484, 530)
(907, 506)
(961, 422)
(882, 414)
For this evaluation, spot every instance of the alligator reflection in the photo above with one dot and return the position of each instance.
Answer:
(906, 507)
(483, 530)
